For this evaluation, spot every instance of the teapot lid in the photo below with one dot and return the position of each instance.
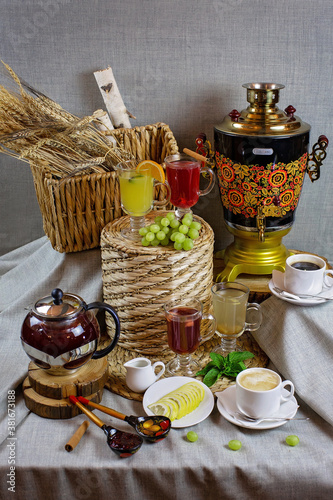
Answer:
(58, 305)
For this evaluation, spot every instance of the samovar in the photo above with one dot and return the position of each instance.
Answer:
(261, 157)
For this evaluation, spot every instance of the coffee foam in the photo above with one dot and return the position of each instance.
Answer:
(259, 380)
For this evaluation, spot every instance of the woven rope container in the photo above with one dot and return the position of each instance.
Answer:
(138, 280)
(75, 209)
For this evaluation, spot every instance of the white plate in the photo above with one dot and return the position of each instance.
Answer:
(166, 385)
(301, 301)
(226, 404)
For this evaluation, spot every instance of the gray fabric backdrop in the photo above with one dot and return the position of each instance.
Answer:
(182, 63)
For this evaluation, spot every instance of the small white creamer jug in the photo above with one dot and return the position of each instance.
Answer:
(141, 374)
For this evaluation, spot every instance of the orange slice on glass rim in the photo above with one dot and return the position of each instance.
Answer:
(150, 167)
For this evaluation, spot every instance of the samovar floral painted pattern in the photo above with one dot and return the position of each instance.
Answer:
(246, 187)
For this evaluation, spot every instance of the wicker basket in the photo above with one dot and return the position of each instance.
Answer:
(137, 281)
(76, 209)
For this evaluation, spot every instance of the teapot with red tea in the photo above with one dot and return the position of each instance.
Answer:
(61, 332)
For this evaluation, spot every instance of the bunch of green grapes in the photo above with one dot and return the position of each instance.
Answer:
(169, 229)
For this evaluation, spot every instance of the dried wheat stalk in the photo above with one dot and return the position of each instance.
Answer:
(35, 128)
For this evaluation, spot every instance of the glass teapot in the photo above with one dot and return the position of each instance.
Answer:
(61, 333)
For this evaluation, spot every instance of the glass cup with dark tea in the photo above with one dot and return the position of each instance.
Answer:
(187, 328)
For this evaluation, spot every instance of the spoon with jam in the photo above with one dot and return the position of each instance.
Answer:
(152, 428)
(124, 444)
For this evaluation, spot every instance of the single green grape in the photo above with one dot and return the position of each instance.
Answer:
(187, 244)
(177, 246)
(234, 444)
(166, 229)
(154, 228)
(292, 440)
(195, 225)
(145, 242)
(187, 219)
(158, 219)
(165, 242)
(183, 229)
(179, 237)
(171, 216)
(155, 242)
(165, 221)
(192, 436)
(174, 223)
(143, 231)
(173, 235)
(150, 236)
(193, 233)
(160, 235)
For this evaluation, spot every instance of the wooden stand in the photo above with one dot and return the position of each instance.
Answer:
(47, 395)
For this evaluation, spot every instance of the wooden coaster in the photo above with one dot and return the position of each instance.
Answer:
(53, 408)
(87, 380)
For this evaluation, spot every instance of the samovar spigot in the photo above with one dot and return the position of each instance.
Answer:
(261, 223)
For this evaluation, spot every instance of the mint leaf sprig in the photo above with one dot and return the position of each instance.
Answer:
(228, 366)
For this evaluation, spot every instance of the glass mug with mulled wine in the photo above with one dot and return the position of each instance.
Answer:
(184, 317)
(306, 274)
(183, 174)
(234, 314)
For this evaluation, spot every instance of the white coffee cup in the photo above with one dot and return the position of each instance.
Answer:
(306, 274)
(141, 374)
(260, 391)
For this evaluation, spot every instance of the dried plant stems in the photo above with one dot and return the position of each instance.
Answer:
(36, 129)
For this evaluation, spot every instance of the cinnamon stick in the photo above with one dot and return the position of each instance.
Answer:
(75, 439)
(194, 155)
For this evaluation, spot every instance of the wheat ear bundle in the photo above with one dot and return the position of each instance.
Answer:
(34, 128)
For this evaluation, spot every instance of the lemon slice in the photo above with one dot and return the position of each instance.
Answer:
(173, 406)
(150, 167)
(159, 408)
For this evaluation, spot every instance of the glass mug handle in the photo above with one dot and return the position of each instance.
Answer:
(211, 175)
(253, 312)
(211, 329)
(165, 201)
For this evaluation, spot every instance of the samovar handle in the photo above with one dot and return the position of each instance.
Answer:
(317, 157)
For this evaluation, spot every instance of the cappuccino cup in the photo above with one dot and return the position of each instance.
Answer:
(306, 274)
(260, 391)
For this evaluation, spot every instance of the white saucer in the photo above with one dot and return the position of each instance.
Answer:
(226, 404)
(166, 385)
(278, 281)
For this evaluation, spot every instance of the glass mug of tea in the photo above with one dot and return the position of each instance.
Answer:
(183, 175)
(233, 314)
(306, 274)
(184, 319)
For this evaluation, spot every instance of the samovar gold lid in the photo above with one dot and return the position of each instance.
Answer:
(262, 116)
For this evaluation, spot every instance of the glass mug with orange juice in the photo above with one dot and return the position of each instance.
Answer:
(183, 174)
(137, 181)
(233, 314)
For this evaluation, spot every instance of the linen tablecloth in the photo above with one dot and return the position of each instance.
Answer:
(265, 467)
